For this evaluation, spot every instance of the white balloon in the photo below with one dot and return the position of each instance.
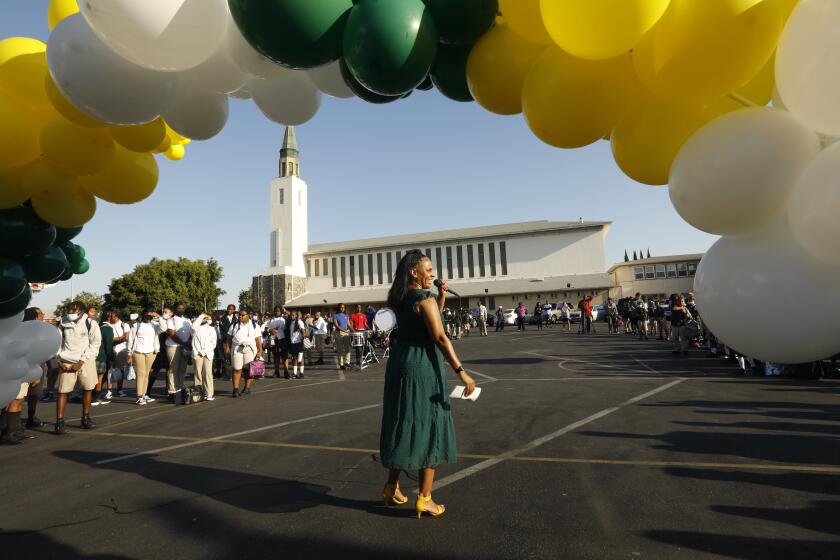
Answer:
(166, 35)
(248, 59)
(814, 208)
(12, 373)
(328, 79)
(195, 112)
(9, 324)
(218, 73)
(736, 173)
(750, 291)
(808, 65)
(41, 340)
(241, 93)
(292, 100)
(101, 83)
(33, 374)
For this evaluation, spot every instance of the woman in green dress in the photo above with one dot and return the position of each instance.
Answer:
(417, 429)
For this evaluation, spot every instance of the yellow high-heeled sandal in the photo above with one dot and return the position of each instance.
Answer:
(389, 495)
(420, 507)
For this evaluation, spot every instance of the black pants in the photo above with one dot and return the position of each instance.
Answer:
(520, 323)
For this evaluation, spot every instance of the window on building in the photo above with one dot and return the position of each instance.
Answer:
(343, 272)
(428, 254)
(660, 271)
(639, 272)
(449, 262)
(649, 272)
(439, 260)
(370, 269)
(325, 267)
(308, 268)
(459, 251)
(379, 267)
(352, 271)
(481, 260)
(671, 270)
(491, 247)
(692, 269)
(361, 270)
(503, 256)
(470, 261)
(317, 267)
(280, 196)
(682, 270)
(283, 170)
(389, 259)
(399, 256)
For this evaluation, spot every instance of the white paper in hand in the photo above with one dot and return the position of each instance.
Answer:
(459, 391)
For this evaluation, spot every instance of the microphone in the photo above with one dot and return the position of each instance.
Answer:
(438, 284)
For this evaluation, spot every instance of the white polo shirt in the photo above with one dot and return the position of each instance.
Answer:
(278, 323)
(182, 328)
(244, 334)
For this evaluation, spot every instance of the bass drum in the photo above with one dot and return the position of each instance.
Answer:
(385, 320)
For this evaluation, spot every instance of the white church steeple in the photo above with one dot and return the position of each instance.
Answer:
(288, 203)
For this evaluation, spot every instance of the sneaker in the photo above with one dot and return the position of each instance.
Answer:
(140, 401)
(286, 374)
(87, 423)
(246, 392)
(97, 402)
(148, 399)
(48, 396)
(170, 398)
(34, 422)
(122, 393)
(235, 393)
(210, 398)
(60, 429)
(108, 395)
(11, 439)
(300, 375)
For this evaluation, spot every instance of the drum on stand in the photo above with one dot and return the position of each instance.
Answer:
(357, 339)
(385, 322)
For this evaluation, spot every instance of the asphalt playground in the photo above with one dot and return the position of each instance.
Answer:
(596, 447)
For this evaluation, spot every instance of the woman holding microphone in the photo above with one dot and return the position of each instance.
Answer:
(417, 429)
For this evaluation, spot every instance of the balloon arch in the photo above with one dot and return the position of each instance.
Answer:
(682, 89)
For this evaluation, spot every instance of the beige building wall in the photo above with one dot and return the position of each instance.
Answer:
(655, 276)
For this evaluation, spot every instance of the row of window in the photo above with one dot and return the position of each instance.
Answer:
(378, 268)
(669, 270)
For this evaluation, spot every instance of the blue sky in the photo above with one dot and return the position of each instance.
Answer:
(421, 164)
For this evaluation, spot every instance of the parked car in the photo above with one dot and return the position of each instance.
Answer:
(510, 318)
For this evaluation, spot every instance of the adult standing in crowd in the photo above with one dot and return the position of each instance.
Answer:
(417, 429)
(204, 341)
(80, 341)
(566, 316)
(144, 342)
(679, 316)
(612, 316)
(244, 345)
(585, 307)
(341, 322)
(295, 333)
(521, 312)
(179, 334)
(538, 316)
(482, 319)
(641, 308)
(546, 316)
(161, 361)
(359, 324)
(500, 319)
(277, 329)
(319, 336)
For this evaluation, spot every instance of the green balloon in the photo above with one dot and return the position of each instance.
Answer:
(12, 279)
(361, 91)
(16, 305)
(462, 22)
(23, 233)
(81, 251)
(68, 274)
(390, 45)
(450, 72)
(294, 33)
(45, 268)
(66, 234)
(427, 84)
(81, 267)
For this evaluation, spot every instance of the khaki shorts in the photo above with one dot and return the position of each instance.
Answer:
(85, 377)
(24, 390)
(242, 358)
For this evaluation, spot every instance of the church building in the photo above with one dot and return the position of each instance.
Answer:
(499, 265)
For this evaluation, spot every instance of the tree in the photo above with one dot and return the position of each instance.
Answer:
(166, 282)
(246, 299)
(648, 253)
(635, 257)
(626, 258)
(86, 298)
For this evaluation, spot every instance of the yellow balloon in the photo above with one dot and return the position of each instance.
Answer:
(647, 139)
(497, 67)
(12, 193)
(703, 50)
(23, 69)
(40, 175)
(59, 10)
(569, 102)
(165, 144)
(76, 149)
(524, 17)
(65, 205)
(141, 138)
(600, 29)
(19, 133)
(175, 152)
(759, 89)
(67, 109)
(129, 178)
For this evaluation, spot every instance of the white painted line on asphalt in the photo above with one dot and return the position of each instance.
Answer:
(643, 364)
(478, 467)
(484, 375)
(236, 434)
(591, 378)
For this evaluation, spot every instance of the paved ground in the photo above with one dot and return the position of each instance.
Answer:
(579, 447)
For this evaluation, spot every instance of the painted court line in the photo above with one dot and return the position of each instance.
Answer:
(484, 375)
(236, 434)
(469, 471)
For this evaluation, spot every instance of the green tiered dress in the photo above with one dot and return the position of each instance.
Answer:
(417, 429)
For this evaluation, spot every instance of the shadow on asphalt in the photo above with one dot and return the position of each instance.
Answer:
(746, 548)
(506, 361)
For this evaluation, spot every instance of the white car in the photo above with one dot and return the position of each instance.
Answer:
(510, 316)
